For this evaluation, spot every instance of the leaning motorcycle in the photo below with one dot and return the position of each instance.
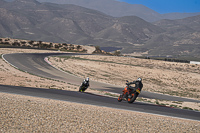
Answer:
(83, 87)
(129, 93)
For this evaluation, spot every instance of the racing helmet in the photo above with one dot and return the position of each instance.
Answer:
(139, 79)
(87, 79)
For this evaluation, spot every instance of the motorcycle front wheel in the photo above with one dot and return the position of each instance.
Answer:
(81, 89)
(120, 98)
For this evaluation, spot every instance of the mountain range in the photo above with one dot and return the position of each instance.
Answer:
(30, 19)
(116, 8)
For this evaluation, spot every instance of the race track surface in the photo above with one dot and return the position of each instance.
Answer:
(35, 64)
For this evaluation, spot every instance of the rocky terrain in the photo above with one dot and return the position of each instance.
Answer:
(9, 42)
(71, 24)
(120, 9)
(30, 114)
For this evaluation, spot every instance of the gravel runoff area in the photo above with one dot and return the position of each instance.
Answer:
(30, 114)
(20, 113)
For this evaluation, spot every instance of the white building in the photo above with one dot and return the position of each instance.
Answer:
(194, 62)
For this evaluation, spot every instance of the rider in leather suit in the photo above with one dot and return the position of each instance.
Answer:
(86, 82)
(138, 84)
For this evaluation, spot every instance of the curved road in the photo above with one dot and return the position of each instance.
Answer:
(35, 64)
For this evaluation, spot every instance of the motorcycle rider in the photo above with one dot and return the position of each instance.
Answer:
(138, 84)
(86, 82)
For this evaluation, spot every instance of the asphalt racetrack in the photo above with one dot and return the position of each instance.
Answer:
(35, 64)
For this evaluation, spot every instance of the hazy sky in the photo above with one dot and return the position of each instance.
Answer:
(167, 6)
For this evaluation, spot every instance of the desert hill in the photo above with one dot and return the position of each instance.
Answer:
(49, 22)
(116, 8)
(181, 36)
(69, 23)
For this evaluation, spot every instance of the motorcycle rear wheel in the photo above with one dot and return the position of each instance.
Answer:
(133, 98)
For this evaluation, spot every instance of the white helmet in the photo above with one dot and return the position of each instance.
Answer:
(87, 79)
(139, 79)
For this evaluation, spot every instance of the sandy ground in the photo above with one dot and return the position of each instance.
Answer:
(28, 114)
(90, 49)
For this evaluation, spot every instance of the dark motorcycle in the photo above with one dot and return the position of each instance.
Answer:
(83, 86)
(129, 93)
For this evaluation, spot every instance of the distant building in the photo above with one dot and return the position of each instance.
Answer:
(194, 62)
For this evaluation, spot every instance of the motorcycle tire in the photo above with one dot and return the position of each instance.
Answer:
(120, 98)
(80, 89)
(133, 98)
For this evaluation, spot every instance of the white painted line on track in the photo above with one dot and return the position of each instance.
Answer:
(8, 62)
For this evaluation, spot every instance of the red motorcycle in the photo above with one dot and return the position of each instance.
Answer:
(129, 93)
